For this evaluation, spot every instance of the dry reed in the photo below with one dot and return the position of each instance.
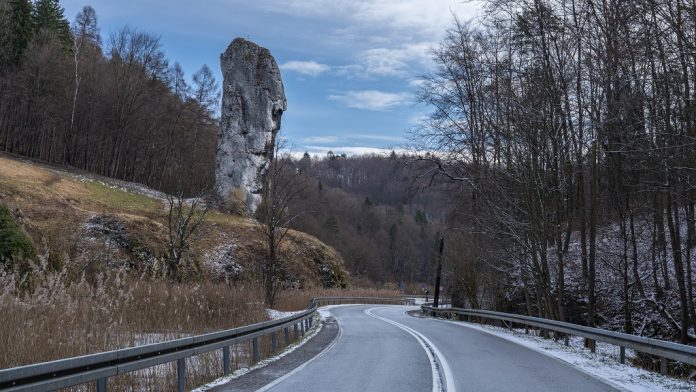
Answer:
(112, 309)
(64, 318)
(299, 299)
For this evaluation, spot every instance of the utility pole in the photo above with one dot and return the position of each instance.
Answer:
(439, 272)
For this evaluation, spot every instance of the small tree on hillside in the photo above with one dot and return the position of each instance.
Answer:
(184, 218)
(282, 186)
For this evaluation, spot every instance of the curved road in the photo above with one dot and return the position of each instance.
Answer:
(380, 348)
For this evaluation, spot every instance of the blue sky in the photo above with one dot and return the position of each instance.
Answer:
(350, 67)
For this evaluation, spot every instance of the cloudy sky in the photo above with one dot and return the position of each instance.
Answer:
(350, 67)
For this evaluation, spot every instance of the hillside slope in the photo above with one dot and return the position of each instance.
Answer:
(85, 221)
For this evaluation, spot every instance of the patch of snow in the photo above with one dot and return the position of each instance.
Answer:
(603, 364)
(113, 183)
(222, 263)
(277, 314)
(418, 300)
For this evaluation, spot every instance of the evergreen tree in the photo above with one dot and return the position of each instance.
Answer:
(15, 31)
(48, 18)
(305, 163)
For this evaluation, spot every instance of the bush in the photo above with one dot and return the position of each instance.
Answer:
(14, 244)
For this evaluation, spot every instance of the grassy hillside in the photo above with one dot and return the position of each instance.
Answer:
(86, 222)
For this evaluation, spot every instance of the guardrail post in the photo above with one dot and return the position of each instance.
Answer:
(302, 327)
(286, 332)
(101, 385)
(181, 374)
(255, 349)
(663, 366)
(226, 360)
(622, 354)
(274, 341)
(567, 340)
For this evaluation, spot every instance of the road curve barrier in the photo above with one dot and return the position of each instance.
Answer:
(663, 349)
(98, 368)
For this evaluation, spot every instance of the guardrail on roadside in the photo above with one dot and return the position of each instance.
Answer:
(62, 373)
(663, 349)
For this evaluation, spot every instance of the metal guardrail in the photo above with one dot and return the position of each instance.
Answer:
(663, 349)
(48, 376)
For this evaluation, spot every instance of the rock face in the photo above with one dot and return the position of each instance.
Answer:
(253, 102)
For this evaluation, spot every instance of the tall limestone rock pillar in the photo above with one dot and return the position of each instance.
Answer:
(253, 100)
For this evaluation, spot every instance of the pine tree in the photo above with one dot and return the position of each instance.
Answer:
(48, 18)
(16, 31)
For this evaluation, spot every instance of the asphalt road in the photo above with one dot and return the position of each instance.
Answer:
(383, 349)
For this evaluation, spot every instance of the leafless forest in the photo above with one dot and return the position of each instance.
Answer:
(110, 105)
(571, 126)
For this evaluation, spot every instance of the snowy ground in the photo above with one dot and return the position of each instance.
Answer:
(277, 314)
(603, 364)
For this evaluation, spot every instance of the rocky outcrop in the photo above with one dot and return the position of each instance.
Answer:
(252, 104)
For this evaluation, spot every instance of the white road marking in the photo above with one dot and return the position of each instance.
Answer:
(549, 354)
(438, 363)
(277, 381)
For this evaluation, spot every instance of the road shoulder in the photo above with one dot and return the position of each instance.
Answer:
(261, 377)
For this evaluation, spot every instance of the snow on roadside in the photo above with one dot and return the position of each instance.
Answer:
(313, 331)
(277, 314)
(603, 364)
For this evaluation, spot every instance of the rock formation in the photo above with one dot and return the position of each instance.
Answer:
(253, 100)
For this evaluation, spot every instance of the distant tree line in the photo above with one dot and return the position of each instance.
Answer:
(571, 127)
(363, 206)
(117, 109)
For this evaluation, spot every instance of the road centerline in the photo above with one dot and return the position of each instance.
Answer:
(443, 380)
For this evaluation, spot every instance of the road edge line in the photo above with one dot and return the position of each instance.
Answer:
(596, 377)
(287, 375)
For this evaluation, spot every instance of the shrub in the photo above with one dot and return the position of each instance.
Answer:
(14, 244)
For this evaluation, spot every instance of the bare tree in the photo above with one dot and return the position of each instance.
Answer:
(282, 187)
(184, 218)
(84, 32)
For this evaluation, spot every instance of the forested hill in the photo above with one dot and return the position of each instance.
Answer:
(115, 105)
(369, 208)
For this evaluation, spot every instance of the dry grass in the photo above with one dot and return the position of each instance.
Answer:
(299, 299)
(63, 318)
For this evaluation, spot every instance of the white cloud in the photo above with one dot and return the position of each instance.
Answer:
(354, 138)
(418, 119)
(371, 99)
(396, 61)
(350, 70)
(386, 138)
(417, 83)
(350, 150)
(309, 68)
(321, 139)
(410, 18)
(385, 38)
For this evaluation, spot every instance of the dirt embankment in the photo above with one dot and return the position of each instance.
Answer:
(92, 221)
